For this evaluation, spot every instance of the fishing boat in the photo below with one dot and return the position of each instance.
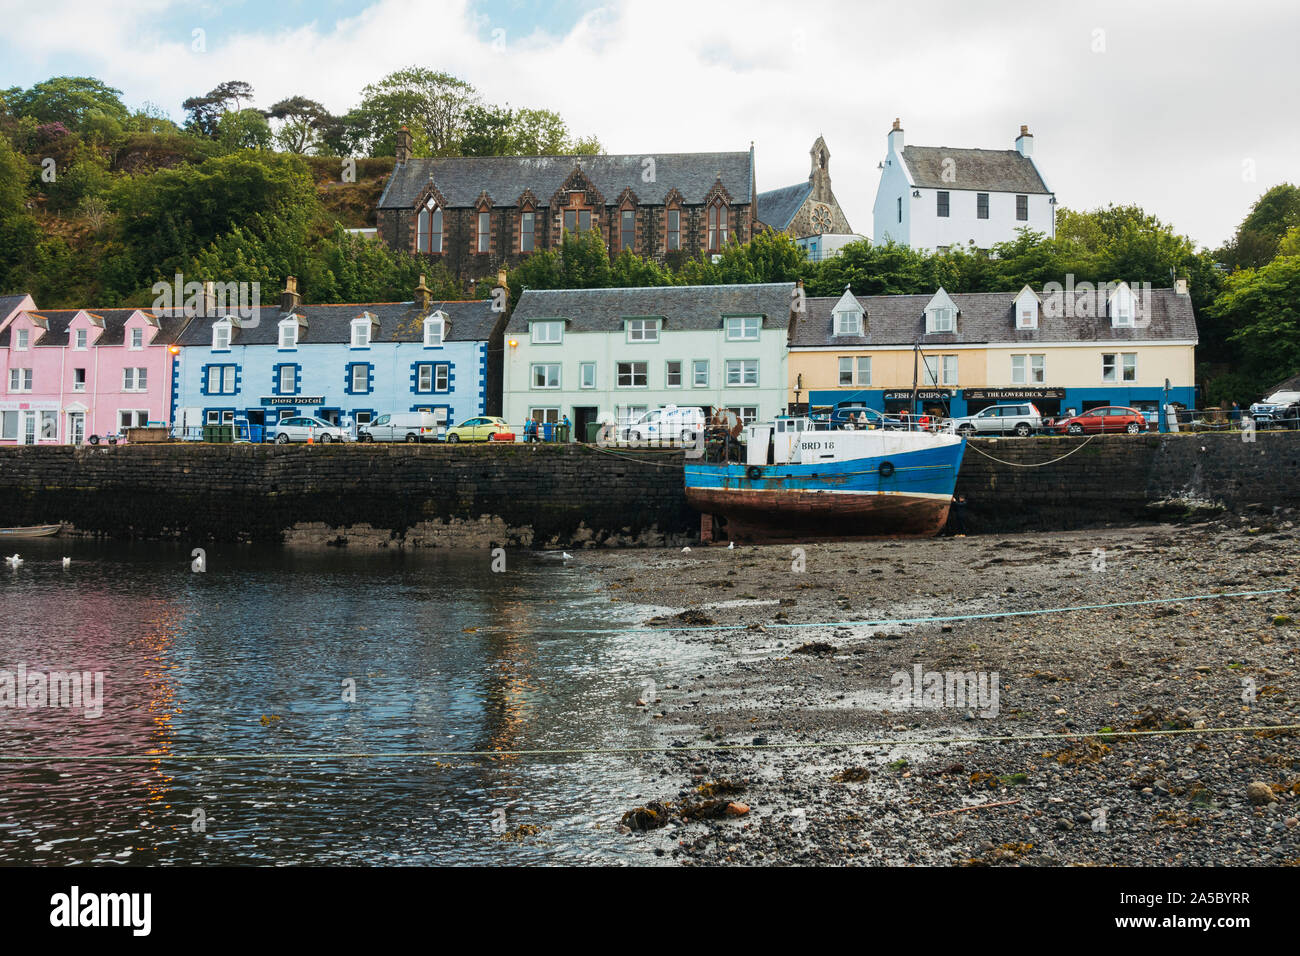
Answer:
(34, 531)
(796, 483)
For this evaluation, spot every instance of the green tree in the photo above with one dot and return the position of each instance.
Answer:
(1262, 307)
(1257, 238)
(68, 100)
(301, 122)
(432, 104)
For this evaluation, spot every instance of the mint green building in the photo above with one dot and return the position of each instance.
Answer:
(610, 355)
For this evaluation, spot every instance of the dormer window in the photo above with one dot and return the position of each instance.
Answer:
(848, 323)
(361, 333)
(289, 334)
(744, 328)
(428, 229)
(1121, 307)
(942, 320)
(550, 332)
(80, 341)
(643, 330)
(434, 326)
(23, 340)
(221, 337)
(1027, 306)
(941, 314)
(137, 339)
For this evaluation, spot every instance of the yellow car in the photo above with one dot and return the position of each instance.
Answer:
(477, 429)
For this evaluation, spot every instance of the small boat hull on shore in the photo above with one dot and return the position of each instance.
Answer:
(832, 486)
(34, 531)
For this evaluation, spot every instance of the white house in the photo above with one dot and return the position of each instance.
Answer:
(936, 197)
(597, 355)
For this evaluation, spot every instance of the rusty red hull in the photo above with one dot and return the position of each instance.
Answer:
(756, 516)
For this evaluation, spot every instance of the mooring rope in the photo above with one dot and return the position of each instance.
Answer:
(596, 751)
(1037, 464)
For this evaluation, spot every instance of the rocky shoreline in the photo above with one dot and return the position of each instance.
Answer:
(793, 673)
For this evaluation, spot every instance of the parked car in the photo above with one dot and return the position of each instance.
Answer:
(670, 423)
(477, 429)
(846, 414)
(1109, 418)
(303, 426)
(1280, 410)
(1021, 419)
(403, 426)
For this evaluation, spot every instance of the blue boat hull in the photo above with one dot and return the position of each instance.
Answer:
(903, 493)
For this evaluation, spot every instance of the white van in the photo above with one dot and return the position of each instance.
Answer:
(404, 426)
(670, 423)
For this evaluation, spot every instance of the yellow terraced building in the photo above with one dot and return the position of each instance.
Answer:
(1062, 350)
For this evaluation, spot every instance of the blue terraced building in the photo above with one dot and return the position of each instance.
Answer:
(336, 362)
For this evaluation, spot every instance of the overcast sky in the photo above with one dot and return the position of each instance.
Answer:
(1186, 108)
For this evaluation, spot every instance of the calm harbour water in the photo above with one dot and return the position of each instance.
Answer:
(251, 657)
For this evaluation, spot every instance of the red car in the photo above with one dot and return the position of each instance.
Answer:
(1111, 418)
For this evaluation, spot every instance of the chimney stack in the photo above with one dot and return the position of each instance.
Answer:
(1181, 285)
(289, 298)
(1025, 142)
(423, 296)
(896, 138)
(403, 146)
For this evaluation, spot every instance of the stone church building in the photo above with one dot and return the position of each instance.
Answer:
(807, 208)
(478, 214)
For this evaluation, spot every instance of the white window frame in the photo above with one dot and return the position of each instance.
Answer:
(1109, 370)
(583, 380)
(135, 379)
(1038, 368)
(221, 337)
(137, 333)
(78, 386)
(545, 368)
(942, 319)
(360, 334)
(81, 340)
(848, 323)
(930, 369)
(846, 366)
(441, 378)
(22, 339)
(20, 379)
(668, 373)
(696, 366)
(743, 324)
(434, 330)
(362, 369)
(1128, 367)
(289, 326)
(635, 368)
(746, 373)
(947, 362)
(642, 331)
(540, 332)
(1027, 316)
(292, 387)
(1019, 369)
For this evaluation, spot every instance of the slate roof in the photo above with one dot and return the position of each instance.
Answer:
(467, 321)
(691, 308)
(777, 207)
(56, 334)
(985, 317)
(462, 179)
(10, 302)
(986, 170)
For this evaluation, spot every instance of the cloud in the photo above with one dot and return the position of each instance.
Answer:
(1164, 114)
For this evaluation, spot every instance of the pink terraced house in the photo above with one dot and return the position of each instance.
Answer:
(72, 376)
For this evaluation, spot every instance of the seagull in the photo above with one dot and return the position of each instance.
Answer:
(686, 550)
(731, 546)
(14, 561)
(67, 562)
(566, 556)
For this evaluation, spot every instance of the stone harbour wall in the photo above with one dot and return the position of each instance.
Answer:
(413, 496)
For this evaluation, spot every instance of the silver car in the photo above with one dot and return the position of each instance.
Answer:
(1022, 419)
(302, 427)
